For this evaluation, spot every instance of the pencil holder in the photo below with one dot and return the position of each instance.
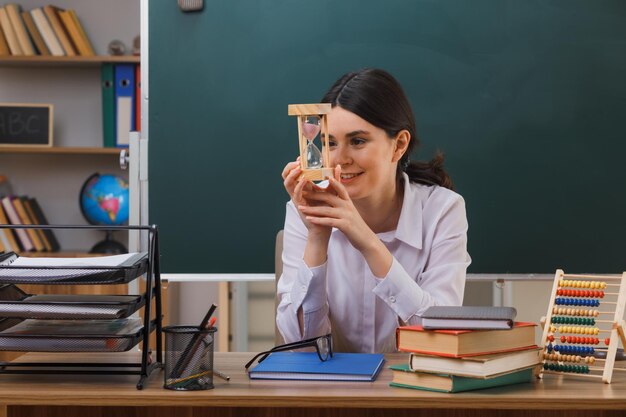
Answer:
(188, 357)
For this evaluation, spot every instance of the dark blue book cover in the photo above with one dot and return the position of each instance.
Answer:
(307, 366)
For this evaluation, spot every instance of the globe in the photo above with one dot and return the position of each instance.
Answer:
(104, 200)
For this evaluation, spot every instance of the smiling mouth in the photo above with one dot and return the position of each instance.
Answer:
(348, 177)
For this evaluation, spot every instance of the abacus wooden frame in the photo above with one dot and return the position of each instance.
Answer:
(618, 324)
(320, 110)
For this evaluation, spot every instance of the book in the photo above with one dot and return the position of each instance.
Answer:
(75, 34)
(40, 44)
(40, 218)
(70, 19)
(468, 317)
(482, 366)
(7, 235)
(403, 377)
(34, 220)
(52, 13)
(13, 10)
(25, 219)
(83, 34)
(458, 343)
(47, 33)
(307, 366)
(4, 46)
(14, 218)
(9, 33)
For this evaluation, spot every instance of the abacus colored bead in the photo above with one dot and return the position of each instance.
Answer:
(607, 341)
(563, 339)
(546, 366)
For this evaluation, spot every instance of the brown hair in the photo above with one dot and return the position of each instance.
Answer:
(377, 97)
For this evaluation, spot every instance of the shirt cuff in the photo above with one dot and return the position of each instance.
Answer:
(309, 288)
(400, 292)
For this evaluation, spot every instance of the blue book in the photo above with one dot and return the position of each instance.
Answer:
(307, 366)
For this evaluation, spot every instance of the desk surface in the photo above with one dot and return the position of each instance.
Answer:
(552, 392)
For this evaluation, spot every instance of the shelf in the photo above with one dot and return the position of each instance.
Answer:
(61, 150)
(66, 61)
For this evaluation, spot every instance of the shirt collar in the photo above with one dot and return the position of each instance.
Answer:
(409, 228)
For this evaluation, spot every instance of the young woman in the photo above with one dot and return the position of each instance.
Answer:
(386, 239)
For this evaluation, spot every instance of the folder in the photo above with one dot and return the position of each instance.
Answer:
(108, 105)
(124, 103)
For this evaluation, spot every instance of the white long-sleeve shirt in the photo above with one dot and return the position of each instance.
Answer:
(430, 260)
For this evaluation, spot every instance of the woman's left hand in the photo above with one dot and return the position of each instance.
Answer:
(337, 210)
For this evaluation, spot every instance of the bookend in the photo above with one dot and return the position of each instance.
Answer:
(313, 123)
(577, 340)
(148, 266)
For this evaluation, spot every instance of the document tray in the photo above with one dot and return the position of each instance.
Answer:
(87, 275)
(70, 336)
(16, 303)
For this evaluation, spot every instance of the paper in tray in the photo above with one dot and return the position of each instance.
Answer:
(116, 269)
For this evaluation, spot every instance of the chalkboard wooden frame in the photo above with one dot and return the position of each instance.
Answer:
(35, 139)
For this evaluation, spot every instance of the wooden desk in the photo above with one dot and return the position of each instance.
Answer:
(69, 396)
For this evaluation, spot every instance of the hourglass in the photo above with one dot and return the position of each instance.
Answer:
(313, 129)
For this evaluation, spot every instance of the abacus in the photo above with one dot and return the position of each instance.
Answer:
(585, 317)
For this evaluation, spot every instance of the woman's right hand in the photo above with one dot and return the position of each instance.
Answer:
(297, 190)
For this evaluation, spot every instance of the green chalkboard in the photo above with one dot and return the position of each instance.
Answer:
(527, 98)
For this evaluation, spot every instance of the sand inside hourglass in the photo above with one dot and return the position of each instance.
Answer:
(310, 130)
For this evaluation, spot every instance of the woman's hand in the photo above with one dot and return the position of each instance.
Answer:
(298, 190)
(335, 208)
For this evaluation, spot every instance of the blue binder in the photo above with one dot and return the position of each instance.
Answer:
(124, 103)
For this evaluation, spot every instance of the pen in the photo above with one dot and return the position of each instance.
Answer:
(221, 375)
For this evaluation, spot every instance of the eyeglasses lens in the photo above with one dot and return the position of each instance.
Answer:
(323, 347)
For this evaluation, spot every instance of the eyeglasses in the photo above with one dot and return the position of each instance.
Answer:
(322, 344)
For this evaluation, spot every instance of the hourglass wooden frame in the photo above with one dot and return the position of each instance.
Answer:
(593, 297)
(320, 110)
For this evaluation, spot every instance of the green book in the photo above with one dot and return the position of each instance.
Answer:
(404, 377)
(108, 106)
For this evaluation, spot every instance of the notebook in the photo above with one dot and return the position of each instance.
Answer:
(307, 366)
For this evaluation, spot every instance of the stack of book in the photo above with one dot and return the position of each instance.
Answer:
(22, 210)
(47, 30)
(462, 356)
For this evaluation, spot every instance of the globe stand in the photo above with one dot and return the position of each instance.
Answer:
(109, 246)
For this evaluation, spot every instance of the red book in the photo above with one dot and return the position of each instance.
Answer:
(460, 343)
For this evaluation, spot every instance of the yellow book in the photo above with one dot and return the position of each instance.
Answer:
(9, 33)
(88, 47)
(13, 10)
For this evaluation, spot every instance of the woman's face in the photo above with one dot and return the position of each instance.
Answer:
(368, 157)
